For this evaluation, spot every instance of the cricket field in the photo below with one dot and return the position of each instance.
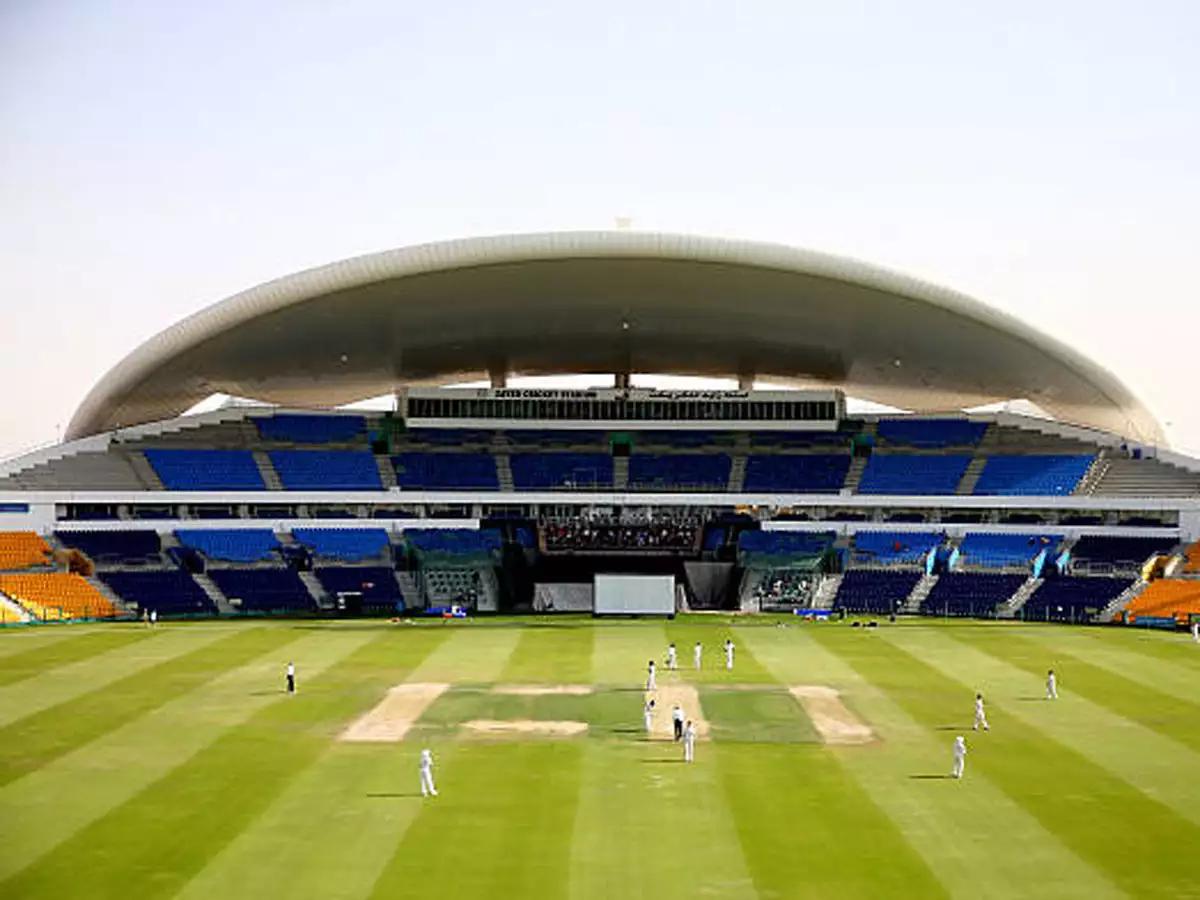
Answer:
(169, 762)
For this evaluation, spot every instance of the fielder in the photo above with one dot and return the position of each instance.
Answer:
(689, 742)
(291, 678)
(651, 677)
(671, 664)
(1196, 632)
(677, 721)
(728, 654)
(697, 652)
(427, 788)
(980, 715)
(960, 757)
(648, 715)
(1051, 686)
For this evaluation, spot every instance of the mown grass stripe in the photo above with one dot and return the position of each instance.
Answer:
(1106, 822)
(621, 650)
(501, 826)
(477, 653)
(35, 740)
(222, 788)
(33, 662)
(946, 823)
(687, 630)
(23, 638)
(94, 673)
(48, 806)
(1140, 757)
(1136, 702)
(552, 653)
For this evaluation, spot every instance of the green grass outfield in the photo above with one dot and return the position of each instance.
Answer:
(168, 763)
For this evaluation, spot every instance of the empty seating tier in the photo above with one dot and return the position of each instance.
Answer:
(1167, 598)
(302, 428)
(263, 590)
(453, 545)
(56, 595)
(779, 549)
(549, 471)
(375, 585)
(242, 545)
(345, 544)
(326, 470)
(969, 594)
(816, 473)
(206, 470)
(1098, 554)
(1069, 599)
(168, 593)
(114, 547)
(871, 591)
(891, 548)
(911, 474)
(22, 550)
(997, 551)
(446, 471)
(679, 471)
(1032, 476)
(931, 433)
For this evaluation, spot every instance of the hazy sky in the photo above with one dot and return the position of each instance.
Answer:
(158, 156)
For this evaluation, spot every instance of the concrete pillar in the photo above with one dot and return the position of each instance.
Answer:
(621, 381)
(499, 378)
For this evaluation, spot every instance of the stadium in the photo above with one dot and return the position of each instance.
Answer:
(486, 570)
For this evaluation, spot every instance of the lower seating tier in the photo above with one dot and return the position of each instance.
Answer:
(1069, 599)
(57, 595)
(1173, 598)
(168, 592)
(970, 594)
(263, 590)
(375, 586)
(877, 592)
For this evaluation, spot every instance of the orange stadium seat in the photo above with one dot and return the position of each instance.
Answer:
(1168, 597)
(22, 550)
(1192, 558)
(56, 595)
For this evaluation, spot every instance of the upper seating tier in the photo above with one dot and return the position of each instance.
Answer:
(306, 428)
(236, 545)
(1032, 475)
(995, 551)
(346, 544)
(206, 470)
(547, 471)
(114, 547)
(816, 473)
(694, 471)
(931, 433)
(446, 471)
(326, 470)
(911, 474)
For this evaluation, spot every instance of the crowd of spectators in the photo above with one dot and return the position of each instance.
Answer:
(646, 533)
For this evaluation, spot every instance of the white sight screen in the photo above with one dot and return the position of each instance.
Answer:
(634, 595)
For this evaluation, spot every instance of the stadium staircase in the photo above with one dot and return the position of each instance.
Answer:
(1144, 478)
(1095, 473)
(266, 469)
(316, 590)
(737, 474)
(854, 475)
(912, 603)
(748, 592)
(214, 593)
(1118, 604)
(119, 603)
(620, 473)
(144, 471)
(966, 485)
(387, 472)
(1012, 606)
(504, 475)
(410, 589)
(826, 592)
(11, 611)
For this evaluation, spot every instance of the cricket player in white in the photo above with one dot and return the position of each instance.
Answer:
(648, 715)
(671, 664)
(689, 742)
(1196, 632)
(960, 757)
(729, 654)
(1051, 686)
(980, 715)
(697, 652)
(291, 678)
(651, 678)
(427, 788)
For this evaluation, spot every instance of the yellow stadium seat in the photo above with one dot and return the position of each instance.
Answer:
(22, 550)
(56, 595)
(1168, 597)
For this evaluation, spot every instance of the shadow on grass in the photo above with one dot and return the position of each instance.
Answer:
(932, 777)
(665, 762)
(953, 728)
(394, 796)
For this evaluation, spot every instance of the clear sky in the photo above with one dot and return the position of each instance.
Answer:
(156, 157)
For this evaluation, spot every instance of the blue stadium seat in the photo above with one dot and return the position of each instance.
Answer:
(453, 541)
(898, 473)
(1068, 599)
(114, 547)
(696, 471)
(206, 470)
(264, 590)
(890, 548)
(346, 544)
(1118, 553)
(235, 545)
(326, 470)
(875, 592)
(931, 433)
(1031, 475)
(822, 473)
(533, 471)
(305, 428)
(169, 592)
(995, 551)
(970, 594)
(446, 471)
(376, 584)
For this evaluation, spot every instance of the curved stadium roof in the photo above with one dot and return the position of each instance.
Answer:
(606, 302)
